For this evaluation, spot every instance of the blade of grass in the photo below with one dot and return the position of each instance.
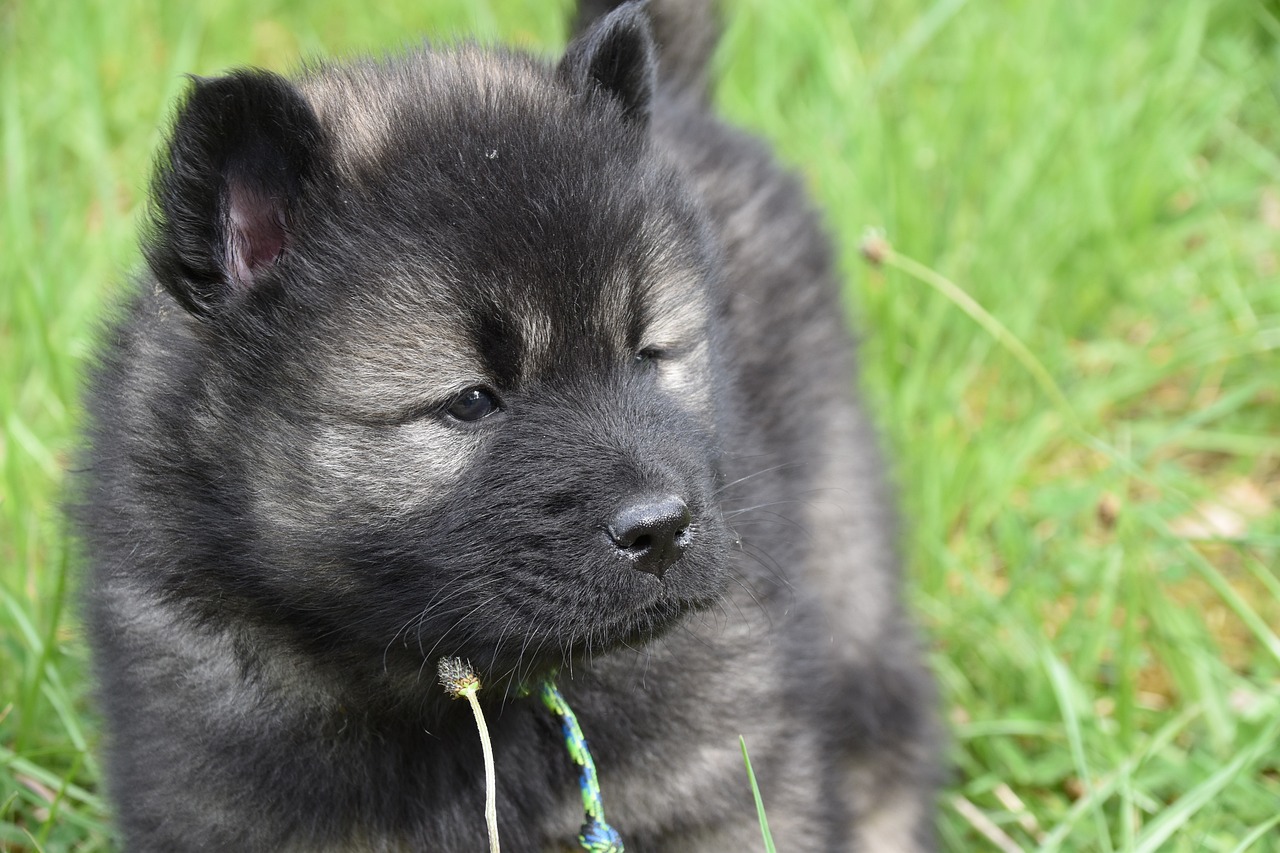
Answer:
(1256, 835)
(1007, 339)
(1176, 816)
(923, 31)
(755, 792)
(54, 780)
(1094, 798)
(1213, 576)
(1064, 688)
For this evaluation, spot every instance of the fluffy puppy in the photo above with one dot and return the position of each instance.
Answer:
(464, 353)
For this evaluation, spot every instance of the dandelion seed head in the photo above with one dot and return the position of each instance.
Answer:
(457, 677)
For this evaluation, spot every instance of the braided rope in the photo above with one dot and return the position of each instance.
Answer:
(596, 836)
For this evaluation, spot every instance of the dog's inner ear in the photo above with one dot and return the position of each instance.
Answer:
(225, 199)
(617, 55)
(256, 230)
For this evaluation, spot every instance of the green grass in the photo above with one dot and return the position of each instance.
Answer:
(766, 836)
(1073, 347)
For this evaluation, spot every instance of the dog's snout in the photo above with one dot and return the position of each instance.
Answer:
(651, 531)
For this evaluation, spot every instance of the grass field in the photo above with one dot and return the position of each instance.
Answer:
(1072, 342)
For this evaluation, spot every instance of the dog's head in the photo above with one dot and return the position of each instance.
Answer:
(455, 347)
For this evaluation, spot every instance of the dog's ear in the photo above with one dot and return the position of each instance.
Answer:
(224, 199)
(617, 55)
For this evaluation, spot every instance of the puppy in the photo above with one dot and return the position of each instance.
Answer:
(539, 365)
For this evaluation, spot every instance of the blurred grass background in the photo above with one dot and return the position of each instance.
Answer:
(1073, 346)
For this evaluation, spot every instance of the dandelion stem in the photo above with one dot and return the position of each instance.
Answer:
(460, 680)
(490, 776)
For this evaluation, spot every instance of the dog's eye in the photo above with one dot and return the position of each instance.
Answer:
(473, 404)
(649, 355)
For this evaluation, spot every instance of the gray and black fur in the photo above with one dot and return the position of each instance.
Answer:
(463, 353)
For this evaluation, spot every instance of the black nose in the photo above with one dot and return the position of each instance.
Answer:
(651, 531)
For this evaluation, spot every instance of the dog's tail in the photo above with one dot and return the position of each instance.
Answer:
(684, 31)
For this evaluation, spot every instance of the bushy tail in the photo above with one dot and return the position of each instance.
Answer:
(685, 32)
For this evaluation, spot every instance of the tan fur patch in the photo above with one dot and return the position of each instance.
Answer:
(356, 102)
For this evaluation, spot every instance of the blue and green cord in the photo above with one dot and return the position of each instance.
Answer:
(596, 836)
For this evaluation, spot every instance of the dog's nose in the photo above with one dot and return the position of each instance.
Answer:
(652, 531)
